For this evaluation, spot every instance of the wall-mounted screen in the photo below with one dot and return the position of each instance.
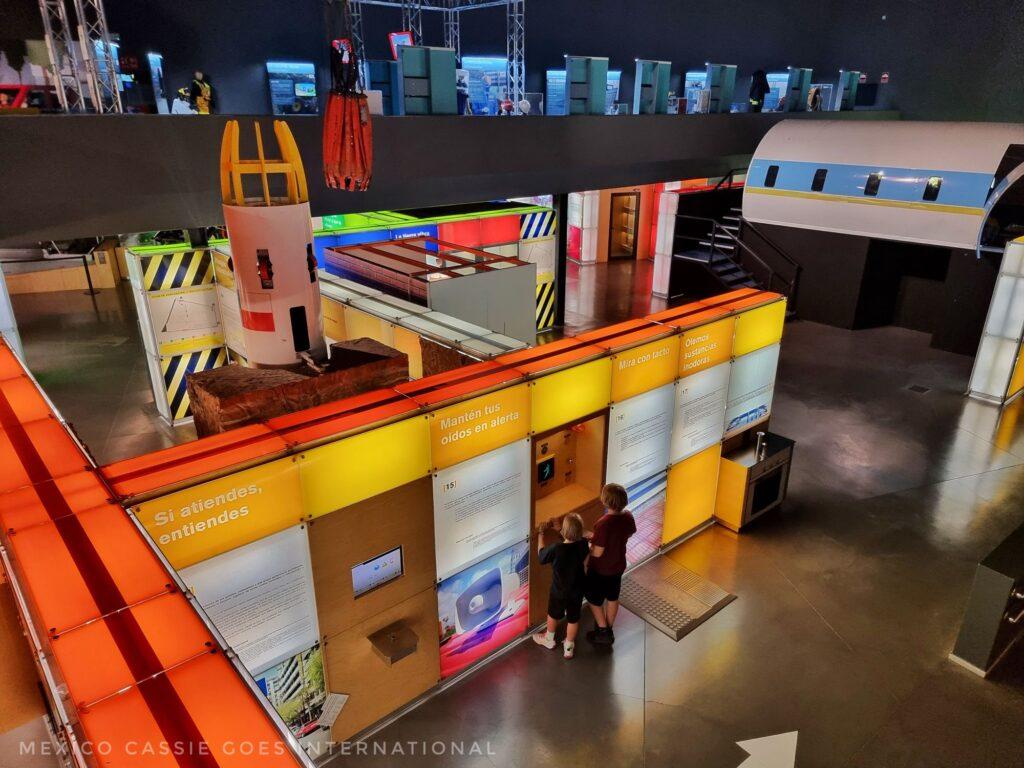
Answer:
(292, 87)
(376, 571)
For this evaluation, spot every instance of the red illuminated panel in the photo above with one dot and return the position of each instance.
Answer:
(496, 230)
(465, 233)
(257, 321)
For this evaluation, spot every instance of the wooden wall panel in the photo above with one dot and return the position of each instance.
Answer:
(339, 540)
(376, 689)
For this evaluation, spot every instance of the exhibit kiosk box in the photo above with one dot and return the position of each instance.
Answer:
(750, 485)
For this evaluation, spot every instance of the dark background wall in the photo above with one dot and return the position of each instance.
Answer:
(948, 59)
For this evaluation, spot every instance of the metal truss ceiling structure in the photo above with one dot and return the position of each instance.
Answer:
(67, 64)
(412, 20)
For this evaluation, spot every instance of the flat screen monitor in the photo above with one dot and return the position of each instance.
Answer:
(376, 571)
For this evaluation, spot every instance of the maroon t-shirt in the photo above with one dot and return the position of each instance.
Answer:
(611, 532)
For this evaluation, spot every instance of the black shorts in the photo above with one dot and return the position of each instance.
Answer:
(601, 587)
(560, 607)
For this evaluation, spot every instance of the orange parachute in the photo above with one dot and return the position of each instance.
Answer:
(348, 132)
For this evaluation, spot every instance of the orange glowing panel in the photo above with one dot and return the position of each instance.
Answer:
(239, 732)
(673, 313)
(23, 506)
(133, 567)
(56, 587)
(9, 366)
(390, 408)
(460, 382)
(131, 734)
(60, 456)
(700, 316)
(746, 302)
(349, 405)
(626, 335)
(190, 461)
(95, 666)
(557, 354)
(25, 399)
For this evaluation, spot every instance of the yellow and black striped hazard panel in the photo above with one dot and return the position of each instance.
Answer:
(223, 269)
(545, 305)
(175, 368)
(183, 269)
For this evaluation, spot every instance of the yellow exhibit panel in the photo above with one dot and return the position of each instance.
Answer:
(570, 394)
(359, 467)
(334, 319)
(209, 519)
(690, 499)
(643, 368)
(360, 325)
(474, 427)
(1017, 379)
(759, 327)
(706, 346)
(409, 342)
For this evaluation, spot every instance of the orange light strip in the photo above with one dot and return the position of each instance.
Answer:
(188, 464)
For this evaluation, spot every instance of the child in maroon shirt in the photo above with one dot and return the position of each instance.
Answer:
(608, 561)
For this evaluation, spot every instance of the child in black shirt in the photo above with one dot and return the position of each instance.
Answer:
(565, 600)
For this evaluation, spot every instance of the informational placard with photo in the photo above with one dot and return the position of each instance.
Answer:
(639, 435)
(481, 507)
(751, 386)
(700, 411)
(260, 597)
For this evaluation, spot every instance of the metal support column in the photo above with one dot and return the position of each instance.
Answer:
(67, 80)
(102, 72)
(561, 205)
(516, 51)
(452, 33)
(355, 14)
(412, 19)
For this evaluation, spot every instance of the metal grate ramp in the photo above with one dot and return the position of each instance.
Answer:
(672, 599)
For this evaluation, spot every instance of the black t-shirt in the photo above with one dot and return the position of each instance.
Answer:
(566, 559)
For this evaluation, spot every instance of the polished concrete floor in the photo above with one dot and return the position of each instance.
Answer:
(849, 598)
(87, 353)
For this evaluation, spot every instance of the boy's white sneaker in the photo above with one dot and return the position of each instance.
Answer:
(569, 649)
(544, 639)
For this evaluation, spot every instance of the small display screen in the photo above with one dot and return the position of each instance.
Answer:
(545, 470)
(376, 571)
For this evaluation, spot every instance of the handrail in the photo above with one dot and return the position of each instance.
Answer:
(730, 175)
(775, 247)
(716, 231)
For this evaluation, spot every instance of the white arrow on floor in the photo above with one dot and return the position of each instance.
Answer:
(777, 751)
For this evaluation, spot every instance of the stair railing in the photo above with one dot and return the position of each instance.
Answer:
(743, 255)
(730, 177)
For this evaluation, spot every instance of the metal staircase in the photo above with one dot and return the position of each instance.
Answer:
(711, 257)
